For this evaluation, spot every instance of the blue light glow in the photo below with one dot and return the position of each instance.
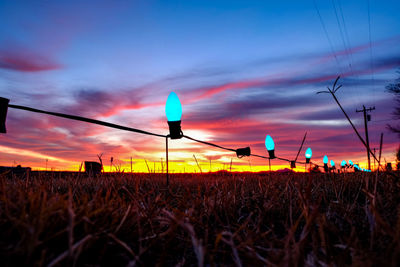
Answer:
(351, 163)
(332, 163)
(343, 163)
(325, 160)
(269, 143)
(356, 166)
(308, 153)
(173, 108)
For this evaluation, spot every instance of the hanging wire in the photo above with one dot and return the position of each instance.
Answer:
(351, 63)
(120, 127)
(208, 143)
(327, 35)
(370, 47)
(230, 149)
(346, 48)
(79, 118)
(345, 38)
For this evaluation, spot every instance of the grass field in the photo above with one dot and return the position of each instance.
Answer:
(219, 219)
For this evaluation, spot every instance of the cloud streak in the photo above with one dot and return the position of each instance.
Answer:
(25, 60)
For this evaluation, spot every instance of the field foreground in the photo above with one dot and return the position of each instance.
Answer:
(209, 219)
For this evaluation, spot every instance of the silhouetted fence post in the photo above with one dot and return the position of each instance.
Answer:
(166, 155)
(269, 164)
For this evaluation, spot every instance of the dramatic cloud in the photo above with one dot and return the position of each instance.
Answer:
(237, 82)
(22, 59)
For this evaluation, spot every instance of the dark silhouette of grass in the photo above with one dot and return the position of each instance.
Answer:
(240, 219)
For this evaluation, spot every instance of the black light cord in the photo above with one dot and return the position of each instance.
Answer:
(120, 127)
(230, 149)
(79, 118)
(208, 143)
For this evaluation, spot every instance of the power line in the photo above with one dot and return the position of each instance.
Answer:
(381, 120)
(346, 33)
(370, 47)
(346, 42)
(346, 49)
(327, 35)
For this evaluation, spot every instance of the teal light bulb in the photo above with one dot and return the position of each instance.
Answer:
(325, 160)
(173, 108)
(308, 153)
(343, 163)
(332, 163)
(351, 163)
(269, 143)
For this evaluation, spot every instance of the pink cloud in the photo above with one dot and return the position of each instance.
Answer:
(22, 59)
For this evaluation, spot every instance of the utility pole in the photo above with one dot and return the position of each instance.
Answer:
(367, 118)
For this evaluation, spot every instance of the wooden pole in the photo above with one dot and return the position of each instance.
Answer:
(166, 155)
(366, 137)
(269, 164)
(380, 151)
(364, 111)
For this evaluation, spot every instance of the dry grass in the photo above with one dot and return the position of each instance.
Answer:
(209, 219)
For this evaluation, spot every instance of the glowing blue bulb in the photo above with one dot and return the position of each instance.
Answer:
(308, 153)
(173, 108)
(343, 163)
(325, 160)
(269, 143)
(351, 163)
(332, 163)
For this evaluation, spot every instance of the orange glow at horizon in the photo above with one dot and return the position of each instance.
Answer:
(180, 162)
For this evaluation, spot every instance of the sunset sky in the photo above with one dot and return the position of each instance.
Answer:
(242, 70)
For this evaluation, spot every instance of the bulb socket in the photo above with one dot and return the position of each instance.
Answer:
(3, 114)
(292, 164)
(271, 154)
(175, 131)
(243, 152)
(307, 160)
(326, 168)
